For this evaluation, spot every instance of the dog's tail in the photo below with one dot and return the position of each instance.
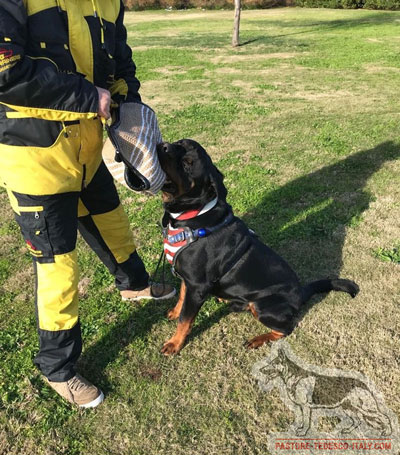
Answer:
(327, 285)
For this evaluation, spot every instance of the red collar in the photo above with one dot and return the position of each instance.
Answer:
(193, 213)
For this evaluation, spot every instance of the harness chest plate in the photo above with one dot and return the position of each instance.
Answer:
(178, 239)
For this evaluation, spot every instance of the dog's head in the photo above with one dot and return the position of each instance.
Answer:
(192, 179)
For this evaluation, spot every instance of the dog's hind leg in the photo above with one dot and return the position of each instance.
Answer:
(176, 311)
(259, 340)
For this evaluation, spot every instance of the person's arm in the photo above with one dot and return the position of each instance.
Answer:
(33, 85)
(126, 85)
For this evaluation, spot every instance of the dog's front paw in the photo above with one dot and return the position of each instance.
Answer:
(172, 314)
(171, 347)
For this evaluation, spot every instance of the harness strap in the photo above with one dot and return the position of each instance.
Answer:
(191, 235)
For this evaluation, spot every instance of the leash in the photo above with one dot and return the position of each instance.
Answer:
(153, 276)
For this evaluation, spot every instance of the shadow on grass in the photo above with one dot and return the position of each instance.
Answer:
(315, 26)
(134, 325)
(245, 43)
(305, 221)
(211, 40)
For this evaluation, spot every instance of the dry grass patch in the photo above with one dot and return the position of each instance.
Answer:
(5, 208)
(161, 98)
(172, 70)
(7, 241)
(323, 94)
(83, 287)
(21, 282)
(226, 59)
(374, 69)
(147, 16)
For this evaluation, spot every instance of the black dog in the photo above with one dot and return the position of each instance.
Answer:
(215, 253)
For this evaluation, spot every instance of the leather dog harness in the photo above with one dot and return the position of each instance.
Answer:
(177, 239)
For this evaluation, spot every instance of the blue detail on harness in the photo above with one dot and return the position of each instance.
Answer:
(202, 232)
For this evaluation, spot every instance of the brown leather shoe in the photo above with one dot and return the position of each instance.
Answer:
(79, 391)
(156, 291)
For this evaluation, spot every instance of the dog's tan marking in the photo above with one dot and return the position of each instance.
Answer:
(258, 341)
(174, 344)
(176, 311)
(166, 197)
(251, 307)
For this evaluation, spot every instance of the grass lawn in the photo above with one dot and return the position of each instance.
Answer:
(304, 121)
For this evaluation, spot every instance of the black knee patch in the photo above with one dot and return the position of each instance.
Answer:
(48, 224)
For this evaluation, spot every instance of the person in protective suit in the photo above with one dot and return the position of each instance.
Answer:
(59, 62)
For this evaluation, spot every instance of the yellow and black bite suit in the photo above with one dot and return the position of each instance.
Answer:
(52, 55)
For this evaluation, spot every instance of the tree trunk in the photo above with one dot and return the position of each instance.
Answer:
(236, 24)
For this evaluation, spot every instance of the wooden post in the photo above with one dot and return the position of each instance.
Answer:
(236, 24)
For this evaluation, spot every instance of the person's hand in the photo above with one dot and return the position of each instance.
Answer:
(104, 103)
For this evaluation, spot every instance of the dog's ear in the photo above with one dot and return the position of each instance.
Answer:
(217, 181)
(202, 164)
(187, 163)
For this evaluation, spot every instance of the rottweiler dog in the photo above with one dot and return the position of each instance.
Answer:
(215, 253)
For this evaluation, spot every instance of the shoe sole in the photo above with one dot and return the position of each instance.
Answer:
(149, 297)
(95, 402)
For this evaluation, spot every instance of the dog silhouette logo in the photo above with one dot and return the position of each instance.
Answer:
(361, 422)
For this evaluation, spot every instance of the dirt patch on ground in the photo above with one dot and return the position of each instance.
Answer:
(146, 48)
(373, 69)
(5, 208)
(171, 70)
(6, 241)
(251, 57)
(163, 33)
(83, 287)
(323, 94)
(224, 70)
(19, 281)
(156, 94)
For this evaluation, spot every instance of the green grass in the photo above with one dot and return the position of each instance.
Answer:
(304, 121)
(389, 254)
